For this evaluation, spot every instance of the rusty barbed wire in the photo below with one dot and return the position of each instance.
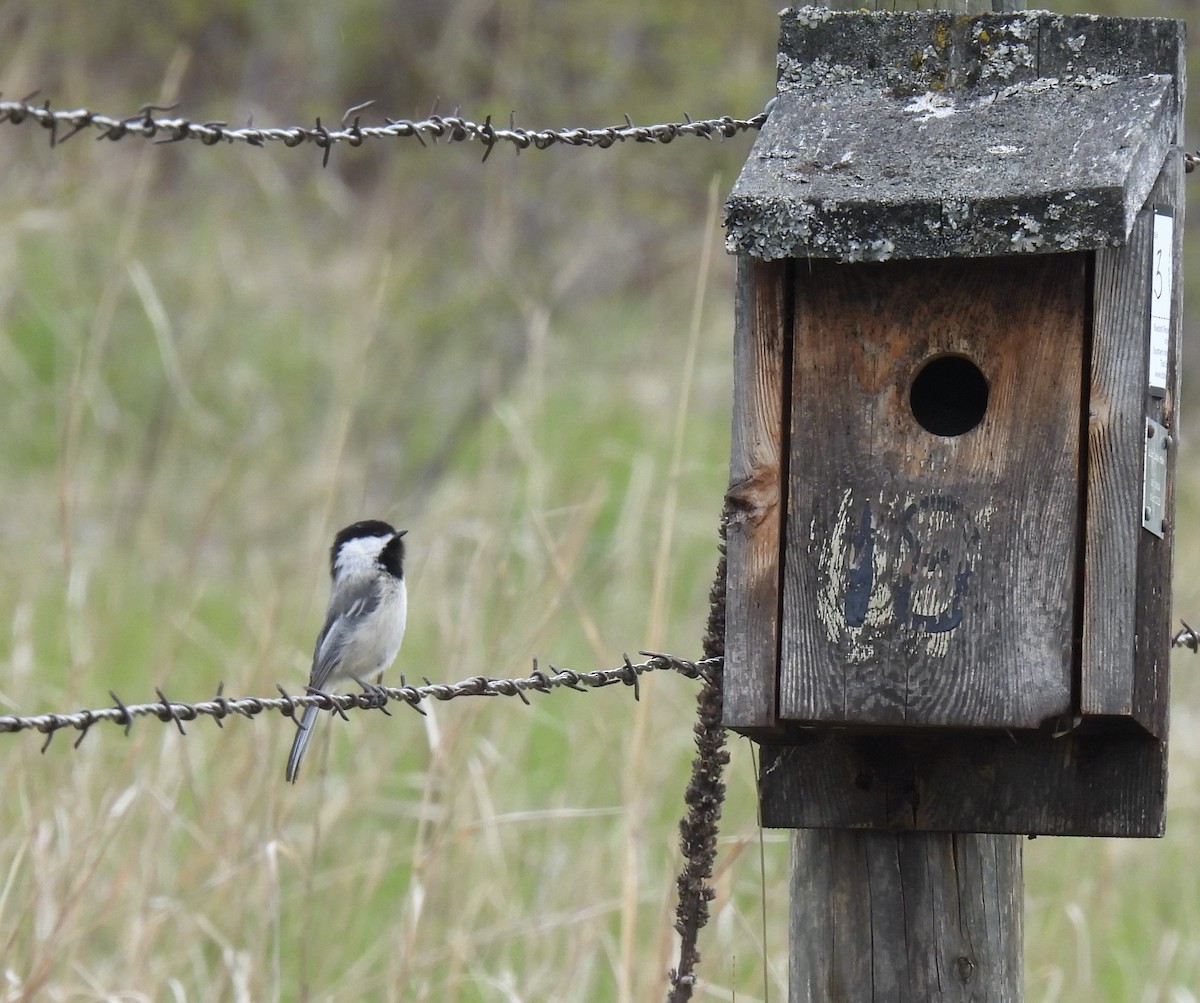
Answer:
(221, 707)
(148, 124)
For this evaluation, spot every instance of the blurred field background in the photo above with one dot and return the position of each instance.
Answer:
(211, 359)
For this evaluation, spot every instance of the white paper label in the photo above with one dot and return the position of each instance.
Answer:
(1162, 267)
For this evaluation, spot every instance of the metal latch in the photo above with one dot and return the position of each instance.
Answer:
(1154, 478)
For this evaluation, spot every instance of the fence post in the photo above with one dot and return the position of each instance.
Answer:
(905, 916)
(952, 472)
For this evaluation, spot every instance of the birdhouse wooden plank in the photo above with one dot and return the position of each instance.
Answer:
(756, 475)
(933, 511)
(955, 379)
(1127, 612)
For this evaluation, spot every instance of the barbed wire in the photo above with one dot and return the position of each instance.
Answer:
(1186, 637)
(376, 698)
(148, 124)
(538, 681)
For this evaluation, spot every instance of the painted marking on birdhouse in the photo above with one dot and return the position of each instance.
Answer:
(898, 568)
(1162, 268)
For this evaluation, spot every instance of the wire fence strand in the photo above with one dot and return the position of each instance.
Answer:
(376, 698)
(149, 123)
(708, 669)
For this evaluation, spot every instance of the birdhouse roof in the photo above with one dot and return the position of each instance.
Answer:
(929, 135)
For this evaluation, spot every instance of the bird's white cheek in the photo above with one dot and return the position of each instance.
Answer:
(359, 555)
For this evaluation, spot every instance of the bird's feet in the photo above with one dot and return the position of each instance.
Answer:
(376, 693)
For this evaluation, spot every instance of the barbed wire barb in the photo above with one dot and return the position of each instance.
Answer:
(1186, 637)
(89, 720)
(219, 700)
(355, 110)
(635, 681)
(170, 711)
(126, 717)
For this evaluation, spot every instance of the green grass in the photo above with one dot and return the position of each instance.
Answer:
(210, 359)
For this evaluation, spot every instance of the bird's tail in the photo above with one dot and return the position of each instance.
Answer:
(303, 736)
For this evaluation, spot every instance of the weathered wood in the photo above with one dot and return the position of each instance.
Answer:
(1152, 647)
(929, 578)
(1127, 570)
(953, 6)
(883, 917)
(1116, 443)
(902, 135)
(1100, 784)
(757, 478)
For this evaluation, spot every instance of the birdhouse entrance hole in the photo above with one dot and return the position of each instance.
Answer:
(949, 395)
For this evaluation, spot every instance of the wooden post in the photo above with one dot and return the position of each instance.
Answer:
(905, 917)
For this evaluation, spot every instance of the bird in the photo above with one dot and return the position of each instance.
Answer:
(365, 618)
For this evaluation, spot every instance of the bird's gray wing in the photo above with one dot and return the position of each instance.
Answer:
(352, 601)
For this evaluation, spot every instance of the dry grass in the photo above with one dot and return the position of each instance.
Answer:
(192, 410)
(210, 359)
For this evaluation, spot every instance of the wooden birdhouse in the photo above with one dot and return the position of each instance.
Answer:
(952, 481)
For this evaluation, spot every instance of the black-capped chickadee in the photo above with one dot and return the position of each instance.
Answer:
(364, 623)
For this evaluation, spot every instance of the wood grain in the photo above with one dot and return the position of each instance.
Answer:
(906, 917)
(1116, 441)
(930, 579)
(1104, 783)
(1152, 646)
(1127, 570)
(756, 491)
